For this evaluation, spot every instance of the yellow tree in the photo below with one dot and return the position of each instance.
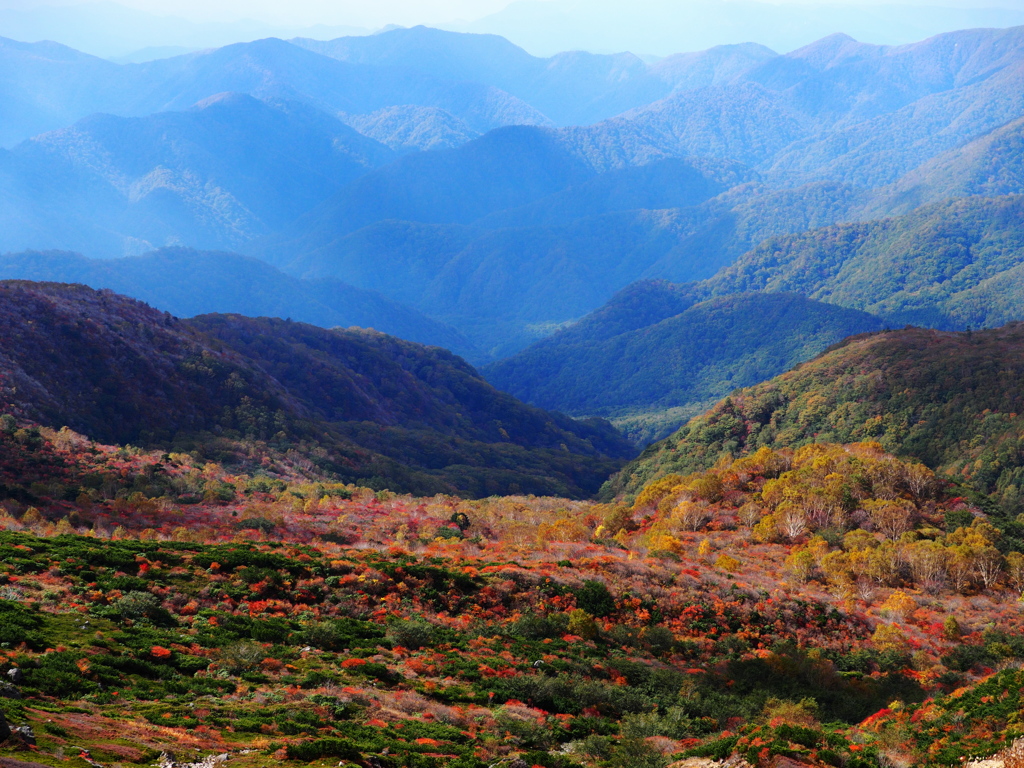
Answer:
(892, 517)
(900, 605)
(988, 564)
(1015, 571)
(960, 566)
(800, 564)
(927, 561)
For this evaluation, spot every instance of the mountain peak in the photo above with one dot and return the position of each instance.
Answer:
(228, 99)
(828, 50)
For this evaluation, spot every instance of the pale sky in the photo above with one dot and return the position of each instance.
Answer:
(378, 13)
(375, 14)
(118, 28)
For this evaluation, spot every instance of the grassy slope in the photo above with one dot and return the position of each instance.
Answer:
(298, 622)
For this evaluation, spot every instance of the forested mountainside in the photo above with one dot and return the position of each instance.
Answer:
(949, 399)
(952, 265)
(344, 404)
(991, 166)
(410, 128)
(681, 360)
(187, 282)
(561, 269)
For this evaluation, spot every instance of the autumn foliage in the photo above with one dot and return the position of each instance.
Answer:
(809, 603)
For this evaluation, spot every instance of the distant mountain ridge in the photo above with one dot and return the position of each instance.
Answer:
(186, 283)
(216, 176)
(761, 108)
(49, 86)
(836, 109)
(570, 88)
(504, 234)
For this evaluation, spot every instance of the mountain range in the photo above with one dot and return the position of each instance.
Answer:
(658, 352)
(454, 190)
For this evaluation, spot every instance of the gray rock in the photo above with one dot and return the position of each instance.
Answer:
(15, 675)
(25, 733)
(8, 691)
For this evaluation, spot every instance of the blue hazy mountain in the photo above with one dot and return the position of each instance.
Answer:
(215, 176)
(836, 109)
(506, 168)
(663, 27)
(47, 86)
(410, 128)
(186, 282)
(561, 254)
(570, 88)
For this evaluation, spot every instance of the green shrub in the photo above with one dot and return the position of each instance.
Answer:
(307, 751)
(324, 635)
(316, 680)
(380, 672)
(20, 624)
(58, 675)
(660, 639)
(241, 657)
(637, 753)
(594, 598)
(412, 634)
(675, 724)
(531, 626)
(137, 605)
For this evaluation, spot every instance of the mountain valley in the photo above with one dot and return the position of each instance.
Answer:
(408, 400)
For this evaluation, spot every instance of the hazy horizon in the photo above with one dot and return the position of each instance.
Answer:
(542, 27)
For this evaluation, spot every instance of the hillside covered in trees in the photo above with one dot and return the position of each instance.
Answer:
(256, 536)
(352, 404)
(657, 352)
(950, 400)
(952, 264)
(638, 354)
